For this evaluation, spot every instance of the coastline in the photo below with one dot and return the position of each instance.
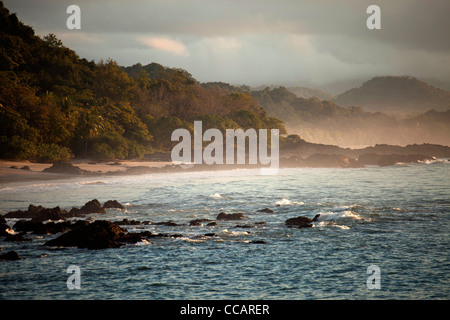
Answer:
(12, 171)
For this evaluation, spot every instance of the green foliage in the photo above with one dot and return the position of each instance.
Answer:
(54, 105)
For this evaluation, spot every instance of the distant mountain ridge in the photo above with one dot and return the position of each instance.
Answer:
(394, 93)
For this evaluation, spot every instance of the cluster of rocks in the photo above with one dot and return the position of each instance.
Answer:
(40, 214)
(102, 234)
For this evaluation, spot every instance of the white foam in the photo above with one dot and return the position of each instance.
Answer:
(287, 202)
(216, 196)
(337, 215)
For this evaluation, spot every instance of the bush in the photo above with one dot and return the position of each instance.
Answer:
(53, 153)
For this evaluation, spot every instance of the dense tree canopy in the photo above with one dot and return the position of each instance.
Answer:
(55, 105)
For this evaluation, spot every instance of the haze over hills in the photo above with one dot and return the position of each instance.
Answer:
(394, 94)
(324, 121)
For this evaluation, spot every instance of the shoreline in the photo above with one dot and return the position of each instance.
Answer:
(27, 171)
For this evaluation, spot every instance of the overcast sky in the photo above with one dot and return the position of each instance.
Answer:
(323, 44)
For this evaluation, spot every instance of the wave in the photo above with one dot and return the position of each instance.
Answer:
(338, 215)
(287, 202)
(216, 196)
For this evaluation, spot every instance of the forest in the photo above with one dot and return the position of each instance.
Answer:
(55, 105)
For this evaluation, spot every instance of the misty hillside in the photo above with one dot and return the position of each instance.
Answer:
(322, 121)
(388, 93)
(304, 92)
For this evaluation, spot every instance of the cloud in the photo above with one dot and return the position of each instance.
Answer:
(164, 44)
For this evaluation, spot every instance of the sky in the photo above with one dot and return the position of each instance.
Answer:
(323, 44)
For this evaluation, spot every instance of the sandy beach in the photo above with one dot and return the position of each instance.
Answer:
(21, 171)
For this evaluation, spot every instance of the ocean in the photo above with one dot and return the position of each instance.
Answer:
(395, 218)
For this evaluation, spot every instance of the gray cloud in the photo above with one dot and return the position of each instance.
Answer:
(286, 42)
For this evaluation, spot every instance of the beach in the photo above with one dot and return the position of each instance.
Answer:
(17, 171)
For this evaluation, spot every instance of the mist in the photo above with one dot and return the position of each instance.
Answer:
(320, 44)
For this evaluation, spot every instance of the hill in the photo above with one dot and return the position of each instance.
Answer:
(393, 94)
(55, 105)
(323, 121)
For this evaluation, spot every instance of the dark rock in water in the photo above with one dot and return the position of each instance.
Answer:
(301, 222)
(38, 213)
(92, 206)
(66, 168)
(10, 255)
(244, 226)
(212, 224)
(267, 210)
(169, 223)
(42, 228)
(131, 238)
(261, 223)
(25, 168)
(198, 222)
(113, 204)
(3, 228)
(230, 216)
(16, 238)
(258, 242)
(126, 222)
(209, 235)
(96, 235)
(49, 214)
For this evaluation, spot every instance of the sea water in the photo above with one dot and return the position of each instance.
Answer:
(395, 218)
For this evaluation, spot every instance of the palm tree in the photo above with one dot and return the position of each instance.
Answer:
(90, 122)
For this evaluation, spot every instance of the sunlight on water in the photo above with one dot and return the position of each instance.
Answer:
(393, 217)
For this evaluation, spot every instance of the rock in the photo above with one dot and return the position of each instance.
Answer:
(49, 214)
(66, 168)
(16, 238)
(89, 207)
(258, 242)
(126, 222)
(10, 255)
(42, 228)
(113, 204)
(230, 216)
(198, 222)
(244, 226)
(25, 168)
(301, 222)
(169, 223)
(3, 230)
(38, 213)
(96, 235)
(267, 210)
(212, 224)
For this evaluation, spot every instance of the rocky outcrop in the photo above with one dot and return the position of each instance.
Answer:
(89, 207)
(301, 222)
(42, 228)
(38, 213)
(66, 168)
(10, 255)
(230, 216)
(198, 222)
(113, 204)
(96, 235)
(266, 210)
